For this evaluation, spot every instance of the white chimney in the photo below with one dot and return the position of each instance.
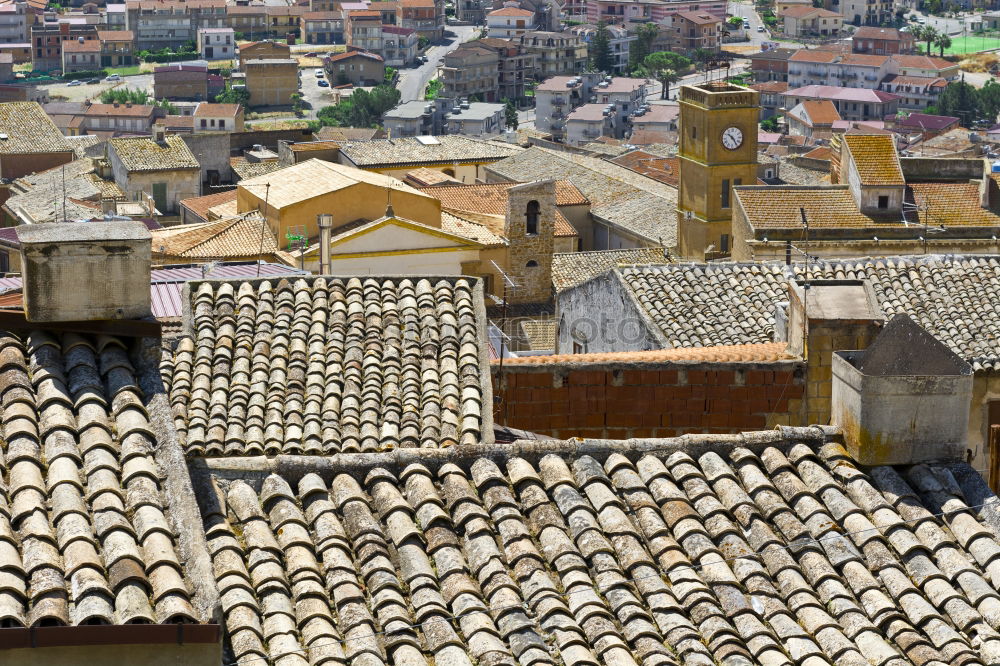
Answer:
(325, 222)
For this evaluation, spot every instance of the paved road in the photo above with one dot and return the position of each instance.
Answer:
(93, 91)
(950, 26)
(746, 10)
(413, 80)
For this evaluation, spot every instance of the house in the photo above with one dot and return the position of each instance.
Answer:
(271, 82)
(812, 119)
(851, 103)
(81, 55)
(48, 35)
(927, 125)
(460, 157)
(322, 27)
(771, 65)
(14, 23)
(556, 53)
(218, 117)
(881, 41)
(416, 118)
(619, 43)
(696, 30)
(832, 68)
(470, 71)
(162, 167)
(399, 45)
(771, 97)
(880, 204)
(425, 17)
(509, 21)
(363, 30)
(114, 119)
(265, 50)
(516, 68)
(233, 239)
(359, 68)
(916, 92)
(29, 141)
(477, 119)
(919, 65)
(865, 12)
(590, 121)
(811, 22)
(117, 48)
(627, 209)
(179, 81)
(611, 113)
(317, 186)
(159, 25)
(556, 98)
(656, 118)
(216, 43)
(782, 6)
(473, 11)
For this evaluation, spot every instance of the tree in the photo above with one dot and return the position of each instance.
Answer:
(601, 58)
(702, 56)
(959, 99)
(988, 98)
(232, 95)
(664, 66)
(930, 36)
(770, 124)
(510, 114)
(942, 41)
(362, 109)
(645, 35)
(297, 107)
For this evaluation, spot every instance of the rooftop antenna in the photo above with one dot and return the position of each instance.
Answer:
(389, 212)
(63, 173)
(263, 225)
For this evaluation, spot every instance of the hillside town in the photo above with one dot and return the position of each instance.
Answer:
(500, 333)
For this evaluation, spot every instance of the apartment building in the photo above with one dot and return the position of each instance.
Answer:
(920, 65)
(812, 22)
(216, 43)
(514, 67)
(399, 45)
(158, 25)
(646, 11)
(696, 30)
(556, 53)
(863, 12)
(509, 21)
(881, 41)
(915, 92)
(14, 23)
(853, 104)
(322, 27)
(619, 41)
(590, 121)
(360, 68)
(417, 118)
(271, 82)
(262, 51)
(363, 29)
(115, 16)
(469, 71)
(832, 68)
(115, 119)
(117, 48)
(81, 55)
(426, 17)
(771, 65)
(185, 82)
(472, 11)
(47, 38)
(479, 119)
(556, 98)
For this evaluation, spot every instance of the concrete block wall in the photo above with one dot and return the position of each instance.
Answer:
(826, 337)
(649, 399)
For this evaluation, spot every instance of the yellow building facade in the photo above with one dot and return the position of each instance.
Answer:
(717, 151)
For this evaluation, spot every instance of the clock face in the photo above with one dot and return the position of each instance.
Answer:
(732, 138)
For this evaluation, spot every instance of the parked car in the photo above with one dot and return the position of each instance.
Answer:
(76, 82)
(113, 77)
(760, 28)
(320, 73)
(422, 58)
(323, 83)
(746, 25)
(91, 81)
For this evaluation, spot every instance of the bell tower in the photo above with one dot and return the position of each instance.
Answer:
(717, 151)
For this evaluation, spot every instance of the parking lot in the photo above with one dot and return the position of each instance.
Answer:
(63, 91)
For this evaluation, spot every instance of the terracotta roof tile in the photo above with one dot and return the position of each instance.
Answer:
(664, 169)
(766, 352)
(876, 159)
(572, 268)
(200, 205)
(234, 238)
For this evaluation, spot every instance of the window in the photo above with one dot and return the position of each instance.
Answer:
(578, 348)
(883, 202)
(204, 123)
(724, 243)
(531, 220)
(694, 132)
(531, 264)
(725, 193)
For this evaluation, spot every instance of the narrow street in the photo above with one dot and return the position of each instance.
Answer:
(413, 80)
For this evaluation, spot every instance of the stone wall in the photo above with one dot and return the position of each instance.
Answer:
(622, 400)
(534, 282)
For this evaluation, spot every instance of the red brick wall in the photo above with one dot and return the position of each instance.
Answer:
(649, 400)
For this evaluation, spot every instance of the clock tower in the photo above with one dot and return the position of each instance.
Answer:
(717, 151)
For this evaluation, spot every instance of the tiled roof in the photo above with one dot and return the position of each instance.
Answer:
(819, 112)
(424, 177)
(492, 198)
(793, 174)
(410, 150)
(86, 46)
(511, 11)
(323, 365)
(239, 237)
(29, 130)
(199, 205)
(876, 159)
(813, 12)
(145, 154)
(347, 55)
(32, 199)
(700, 305)
(126, 110)
(664, 169)
(539, 334)
(775, 552)
(245, 169)
(771, 86)
(315, 177)
(572, 268)
(777, 207)
(471, 229)
(872, 32)
(842, 93)
(923, 62)
(766, 352)
(628, 200)
(85, 531)
(819, 153)
(924, 121)
(206, 109)
(349, 134)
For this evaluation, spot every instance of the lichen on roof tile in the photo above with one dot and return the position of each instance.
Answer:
(146, 154)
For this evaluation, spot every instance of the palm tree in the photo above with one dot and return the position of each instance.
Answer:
(942, 41)
(930, 36)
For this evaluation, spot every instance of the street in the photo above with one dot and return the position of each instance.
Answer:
(413, 80)
(746, 11)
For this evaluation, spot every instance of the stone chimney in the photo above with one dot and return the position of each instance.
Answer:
(325, 222)
(904, 400)
(85, 271)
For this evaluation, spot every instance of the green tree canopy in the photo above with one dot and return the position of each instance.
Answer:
(510, 114)
(362, 109)
(665, 67)
(961, 100)
(988, 98)
(645, 35)
(601, 58)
